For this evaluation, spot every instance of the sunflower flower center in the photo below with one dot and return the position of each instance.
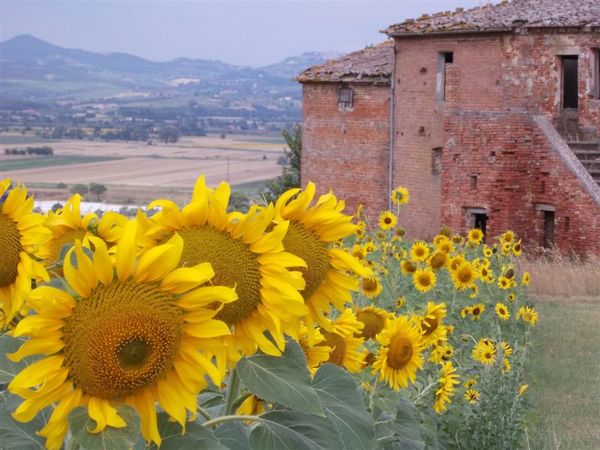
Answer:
(374, 323)
(235, 265)
(338, 347)
(429, 325)
(121, 339)
(400, 352)
(10, 249)
(306, 244)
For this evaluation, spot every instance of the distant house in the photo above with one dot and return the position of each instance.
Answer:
(490, 116)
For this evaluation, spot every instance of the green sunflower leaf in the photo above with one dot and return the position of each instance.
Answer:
(293, 430)
(345, 408)
(9, 369)
(284, 380)
(196, 436)
(17, 435)
(111, 438)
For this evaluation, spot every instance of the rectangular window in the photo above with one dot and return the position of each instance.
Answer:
(444, 58)
(436, 161)
(473, 182)
(596, 73)
(345, 98)
(548, 237)
(570, 82)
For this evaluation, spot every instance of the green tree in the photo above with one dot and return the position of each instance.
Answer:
(290, 176)
(98, 190)
(81, 189)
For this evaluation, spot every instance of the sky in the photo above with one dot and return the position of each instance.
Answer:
(244, 32)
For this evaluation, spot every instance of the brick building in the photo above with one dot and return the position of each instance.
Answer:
(490, 116)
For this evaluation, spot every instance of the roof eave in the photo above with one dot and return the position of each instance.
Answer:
(400, 34)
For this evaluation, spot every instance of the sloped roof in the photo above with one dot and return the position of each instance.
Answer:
(370, 65)
(505, 16)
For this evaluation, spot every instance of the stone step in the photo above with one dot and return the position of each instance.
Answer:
(587, 155)
(584, 145)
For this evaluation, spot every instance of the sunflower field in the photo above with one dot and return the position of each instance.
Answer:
(291, 326)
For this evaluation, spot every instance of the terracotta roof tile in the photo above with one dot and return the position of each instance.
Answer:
(506, 16)
(370, 65)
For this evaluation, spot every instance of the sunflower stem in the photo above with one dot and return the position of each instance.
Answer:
(233, 392)
(231, 418)
(371, 397)
(204, 413)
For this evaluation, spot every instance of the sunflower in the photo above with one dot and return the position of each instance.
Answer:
(523, 389)
(374, 320)
(400, 354)
(312, 345)
(464, 276)
(21, 235)
(244, 255)
(528, 314)
(443, 244)
(474, 237)
(407, 267)
(506, 366)
(438, 260)
(505, 283)
(359, 251)
(472, 396)
(346, 348)
(487, 251)
(517, 248)
(371, 287)
(502, 311)
(311, 234)
(470, 383)
(506, 348)
(252, 406)
(441, 352)
(507, 237)
(431, 323)
(455, 262)
(400, 196)
(67, 225)
(448, 379)
(477, 310)
(130, 334)
(419, 251)
(484, 351)
(511, 297)
(526, 279)
(465, 311)
(399, 302)
(424, 280)
(387, 220)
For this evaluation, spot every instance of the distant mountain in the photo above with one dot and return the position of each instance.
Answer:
(51, 81)
(27, 57)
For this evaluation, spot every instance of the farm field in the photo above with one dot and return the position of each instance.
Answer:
(565, 375)
(135, 171)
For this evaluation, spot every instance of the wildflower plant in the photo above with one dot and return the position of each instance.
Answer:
(201, 327)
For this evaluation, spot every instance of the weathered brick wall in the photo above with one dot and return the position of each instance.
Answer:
(531, 74)
(347, 151)
(516, 171)
(471, 84)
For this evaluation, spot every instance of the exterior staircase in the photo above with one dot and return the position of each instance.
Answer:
(588, 152)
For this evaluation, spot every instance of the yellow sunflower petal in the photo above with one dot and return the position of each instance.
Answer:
(158, 261)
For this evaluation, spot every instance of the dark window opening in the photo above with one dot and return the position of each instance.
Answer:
(548, 237)
(443, 59)
(436, 161)
(480, 221)
(567, 224)
(473, 181)
(597, 73)
(345, 98)
(543, 187)
(570, 79)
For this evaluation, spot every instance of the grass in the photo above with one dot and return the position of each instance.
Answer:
(33, 163)
(565, 375)
(564, 276)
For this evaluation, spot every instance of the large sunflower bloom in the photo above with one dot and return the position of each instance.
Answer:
(21, 235)
(131, 335)
(67, 225)
(400, 354)
(431, 323)
(346, 347)
(311, 234)
(448, 379)
(244, 255)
